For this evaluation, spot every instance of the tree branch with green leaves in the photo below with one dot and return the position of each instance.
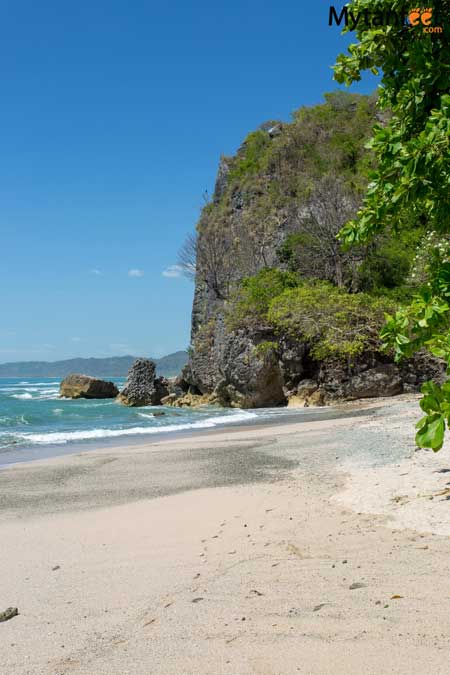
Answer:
(410, 186)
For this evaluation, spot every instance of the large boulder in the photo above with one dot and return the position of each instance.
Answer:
(291, 362)
(383, 380)
(250, 373)
(142, 387)
(306, 394)
(367, 379)
(83, 386)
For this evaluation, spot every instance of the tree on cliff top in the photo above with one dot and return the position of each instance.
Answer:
(410, 186)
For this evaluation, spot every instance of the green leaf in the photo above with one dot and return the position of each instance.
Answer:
(431, 433)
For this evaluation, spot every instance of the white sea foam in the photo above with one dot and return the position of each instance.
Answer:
(90, 434)
(31, 387)
(38, 396)
(38, 384)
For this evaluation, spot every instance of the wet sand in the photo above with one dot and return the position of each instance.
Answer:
(245, 551)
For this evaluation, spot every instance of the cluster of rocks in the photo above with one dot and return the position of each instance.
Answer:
(237, 372)
(241, 369)
(142, 388)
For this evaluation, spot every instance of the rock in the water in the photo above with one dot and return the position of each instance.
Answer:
(83, 386)
(142, 387)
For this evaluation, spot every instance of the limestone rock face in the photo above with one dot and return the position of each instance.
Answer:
(251, 378)
(83, 386)
(230, 367)
(368, 378)
(384, 380)
(190, 400)
(307, 394)
(292, 363)
(142, 387)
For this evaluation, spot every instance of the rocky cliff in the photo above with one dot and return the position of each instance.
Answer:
(278, 205)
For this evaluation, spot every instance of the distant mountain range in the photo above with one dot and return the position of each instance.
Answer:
(115, 366)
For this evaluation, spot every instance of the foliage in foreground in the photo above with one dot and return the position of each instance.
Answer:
(410, 186)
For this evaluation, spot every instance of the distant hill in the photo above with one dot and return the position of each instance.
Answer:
(115, 366)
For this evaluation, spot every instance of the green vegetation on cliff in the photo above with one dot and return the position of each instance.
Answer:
(284, 197)
(334, 323)
(269, 237)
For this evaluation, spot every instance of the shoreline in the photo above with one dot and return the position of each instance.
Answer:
(276, 417)
(230, 551)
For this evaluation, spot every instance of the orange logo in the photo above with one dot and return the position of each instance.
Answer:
(423, 17)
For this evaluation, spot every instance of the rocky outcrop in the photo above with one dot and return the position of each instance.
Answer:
(83, 386)
(362, 382)
(306, 394)
(235, 368)
(250, 376)
(252, 370)
(190, 400)
(142, 387)
(368, 377)
(256, 207)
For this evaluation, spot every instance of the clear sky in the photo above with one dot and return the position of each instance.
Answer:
(113, 116)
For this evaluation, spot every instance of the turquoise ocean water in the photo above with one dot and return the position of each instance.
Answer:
(33, 414)
(36, 423)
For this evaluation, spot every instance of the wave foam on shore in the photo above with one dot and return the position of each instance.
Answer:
(90, 434)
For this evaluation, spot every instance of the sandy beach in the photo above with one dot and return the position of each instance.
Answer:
(313, 548)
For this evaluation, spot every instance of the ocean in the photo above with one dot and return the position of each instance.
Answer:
(32, 413)
(35, 422)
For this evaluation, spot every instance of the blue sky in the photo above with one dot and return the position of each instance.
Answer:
(113, 116)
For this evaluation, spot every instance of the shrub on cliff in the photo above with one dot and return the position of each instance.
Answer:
(333, 323)
(250, 303)
(254, 157)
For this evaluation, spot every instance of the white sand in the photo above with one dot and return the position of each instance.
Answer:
(413, 493)
(237, 580)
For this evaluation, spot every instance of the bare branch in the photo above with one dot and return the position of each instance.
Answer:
(187, 257)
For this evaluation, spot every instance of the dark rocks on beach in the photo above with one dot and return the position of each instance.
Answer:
(251, 378)
(382, 380)
(83, 386)
(170, 398)
(236, 370)
(8, 614)
(385, 380)
(142, 387)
